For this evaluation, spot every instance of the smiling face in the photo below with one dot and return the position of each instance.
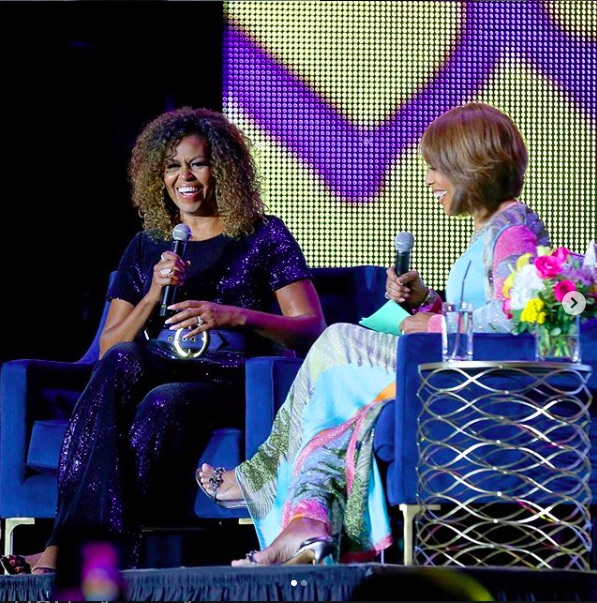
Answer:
(188, 178)
(477, 155)
(442, 188)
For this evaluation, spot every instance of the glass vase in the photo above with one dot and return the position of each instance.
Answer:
(561, 347)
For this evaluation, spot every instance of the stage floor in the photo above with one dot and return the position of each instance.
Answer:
(355, 582)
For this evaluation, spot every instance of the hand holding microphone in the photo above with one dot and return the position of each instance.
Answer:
(180, 235)
(411, 292)
(397, 291)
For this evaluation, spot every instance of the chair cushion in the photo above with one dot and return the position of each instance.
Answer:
(44, 448)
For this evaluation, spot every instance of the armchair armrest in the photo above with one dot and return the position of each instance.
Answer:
(268, 379)
(413, 349)
(420, 348)
(32, 390)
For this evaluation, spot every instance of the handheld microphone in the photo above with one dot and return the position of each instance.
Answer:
(180, 235)
(404, 243)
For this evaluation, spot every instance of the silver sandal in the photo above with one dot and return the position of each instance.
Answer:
(215, 481)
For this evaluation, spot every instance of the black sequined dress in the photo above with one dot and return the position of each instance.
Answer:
(140, 425)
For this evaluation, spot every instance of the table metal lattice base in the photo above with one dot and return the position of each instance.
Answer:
(504, 465)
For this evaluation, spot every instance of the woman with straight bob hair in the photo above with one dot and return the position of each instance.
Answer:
(313, 488)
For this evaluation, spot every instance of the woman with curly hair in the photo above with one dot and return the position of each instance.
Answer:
(171, 368)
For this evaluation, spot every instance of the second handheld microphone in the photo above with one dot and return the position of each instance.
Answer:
(404, 243)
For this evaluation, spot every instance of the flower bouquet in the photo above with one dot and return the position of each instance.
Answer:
(548, 295)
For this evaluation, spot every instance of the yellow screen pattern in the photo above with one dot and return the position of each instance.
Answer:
(336, 94)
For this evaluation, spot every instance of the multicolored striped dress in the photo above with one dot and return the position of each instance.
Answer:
(318, 460)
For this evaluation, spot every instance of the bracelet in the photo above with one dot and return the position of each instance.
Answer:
(427, 303)
(428, 298)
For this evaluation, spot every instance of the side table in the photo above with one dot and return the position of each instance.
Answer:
(504, 465)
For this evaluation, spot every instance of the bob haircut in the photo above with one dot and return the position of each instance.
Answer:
(481, 151)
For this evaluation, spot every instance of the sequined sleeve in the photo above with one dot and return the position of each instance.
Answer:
(130, 275)
(286, 259)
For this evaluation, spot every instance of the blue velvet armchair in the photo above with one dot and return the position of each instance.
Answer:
(37, 397)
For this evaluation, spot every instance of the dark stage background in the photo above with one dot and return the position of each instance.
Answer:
(80, 79)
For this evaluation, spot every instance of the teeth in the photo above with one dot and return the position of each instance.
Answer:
(439, 194)
(187, 189)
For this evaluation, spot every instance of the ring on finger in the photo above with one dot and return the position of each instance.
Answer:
(164, 257)
(199, 321)
(165, 271)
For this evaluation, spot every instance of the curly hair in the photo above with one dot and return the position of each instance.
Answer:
(481, 151)
(237, 187)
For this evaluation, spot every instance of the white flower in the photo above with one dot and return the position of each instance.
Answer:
(590, 259)
(527, 284)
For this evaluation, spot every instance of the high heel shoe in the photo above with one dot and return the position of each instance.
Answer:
(215, 481)
(313, 551)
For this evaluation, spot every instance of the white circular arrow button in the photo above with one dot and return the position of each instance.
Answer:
(574, 303)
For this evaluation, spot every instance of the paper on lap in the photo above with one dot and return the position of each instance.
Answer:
(387, 319)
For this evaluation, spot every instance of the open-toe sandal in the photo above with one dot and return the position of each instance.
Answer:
(250, 557)
(215, 481)
(15, 564)
(313, 551)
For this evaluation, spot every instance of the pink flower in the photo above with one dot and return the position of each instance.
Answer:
(562, 288)
(561, 254)
(506, 306)
(548, 266)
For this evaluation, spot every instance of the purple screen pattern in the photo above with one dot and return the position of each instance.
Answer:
(455, 83)
(352, 159)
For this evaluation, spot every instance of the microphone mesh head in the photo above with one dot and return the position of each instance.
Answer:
(181, 232)
(404, 241)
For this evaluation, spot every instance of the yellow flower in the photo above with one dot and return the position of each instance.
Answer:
(543, 250)
(533, 311)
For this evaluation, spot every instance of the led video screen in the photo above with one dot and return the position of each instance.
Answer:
(336, 94)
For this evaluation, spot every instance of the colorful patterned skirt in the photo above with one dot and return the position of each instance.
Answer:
(318, 460)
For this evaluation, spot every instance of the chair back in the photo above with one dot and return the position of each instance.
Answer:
(92, 353)
(350, 293)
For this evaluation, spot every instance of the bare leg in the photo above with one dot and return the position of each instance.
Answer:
(227, 490)
(288, 541)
